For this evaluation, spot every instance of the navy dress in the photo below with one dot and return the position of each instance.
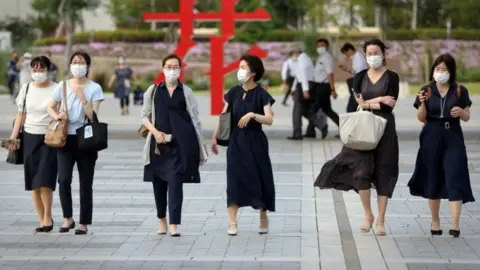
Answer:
(441, 169)
(249, 170)
(180, 159)
(121, 89)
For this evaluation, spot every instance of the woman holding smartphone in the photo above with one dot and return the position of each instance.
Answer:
(173, 149)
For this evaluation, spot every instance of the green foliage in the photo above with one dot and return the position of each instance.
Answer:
(22, 34)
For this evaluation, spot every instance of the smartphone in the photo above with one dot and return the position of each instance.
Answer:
(168, 138)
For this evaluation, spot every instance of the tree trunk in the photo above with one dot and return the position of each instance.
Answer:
(414, 14)
(69, 37)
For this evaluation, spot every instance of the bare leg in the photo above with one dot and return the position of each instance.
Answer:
(232, 219)
(435, 212)
(263, 222)
(456, 210)
(47, 198)
(38, 205)
(367, 209)
(382, 209)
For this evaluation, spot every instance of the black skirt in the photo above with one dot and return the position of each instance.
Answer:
(40, 162)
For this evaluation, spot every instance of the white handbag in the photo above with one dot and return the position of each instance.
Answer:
(361, 130)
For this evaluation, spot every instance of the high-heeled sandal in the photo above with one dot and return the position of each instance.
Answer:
(380, 230)
(366, 226)
(262, 230)
(435, 232)
(232, 229)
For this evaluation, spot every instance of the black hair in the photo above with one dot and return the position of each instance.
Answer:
(379, 43)
(256, 66)
(323, 41)
(85, 56)
(451, 66)
(290, 53)
(41, 61)
(347, 47)
(172, 56)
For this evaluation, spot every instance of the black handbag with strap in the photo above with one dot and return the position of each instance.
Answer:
(225, 123)
(15, 157)
(93, 136)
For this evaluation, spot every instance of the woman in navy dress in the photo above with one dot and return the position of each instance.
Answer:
(441, 170)
(249, 170)
(123, 75)
(174, 145)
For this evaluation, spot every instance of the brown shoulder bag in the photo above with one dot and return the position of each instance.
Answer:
(57, 132)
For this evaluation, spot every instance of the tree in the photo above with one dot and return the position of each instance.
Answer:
(67, 12)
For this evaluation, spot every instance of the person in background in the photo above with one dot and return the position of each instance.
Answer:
(322, 88)
(358, 64)
(123, 75)
(249, 169)
(39, 159)
(301, 88)
(174, 149)
(288, 75)
(53, 71)
(441, 170)
(377, 89)
(13, 72)
(83, 100)
(25, 69)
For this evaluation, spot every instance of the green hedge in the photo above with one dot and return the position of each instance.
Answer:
(279, 35)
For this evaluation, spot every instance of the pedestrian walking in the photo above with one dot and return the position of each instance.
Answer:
(288, 75)
(378, 90)
(358, 64)
(441, 170)
(39, 159)
(174, 147)
(249, 169)
(83, 98)
(123, 75)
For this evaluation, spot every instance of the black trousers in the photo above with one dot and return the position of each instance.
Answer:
(66, 159)
(174, 190)
(124, 101)
(289, 82)
(352, 103)
(321, 100)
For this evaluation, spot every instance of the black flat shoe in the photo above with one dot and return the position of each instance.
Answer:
(39, 229)
(67, 229)
(175, 234)
(81, 232)
(48, 228)
(435, 232)
(454, 233)
(295, 138)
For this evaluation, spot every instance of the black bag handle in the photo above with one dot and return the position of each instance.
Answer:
(22, 123)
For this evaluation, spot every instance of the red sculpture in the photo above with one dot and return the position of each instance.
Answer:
(227, 17)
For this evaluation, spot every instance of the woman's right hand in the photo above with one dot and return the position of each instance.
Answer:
(61, 116)
(421, 97)
(214, 146)
(159, 137)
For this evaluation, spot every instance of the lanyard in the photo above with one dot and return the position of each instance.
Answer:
(443, 100)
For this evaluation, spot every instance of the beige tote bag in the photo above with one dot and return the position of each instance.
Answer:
(361, 130)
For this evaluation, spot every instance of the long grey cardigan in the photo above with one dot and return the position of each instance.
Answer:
(192, 108)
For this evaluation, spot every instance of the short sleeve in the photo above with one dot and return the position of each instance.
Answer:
(230, 94)
(464, 100)
(21, 97)
(266, 99)
(329, 65)
(97, 94)
(57, 92)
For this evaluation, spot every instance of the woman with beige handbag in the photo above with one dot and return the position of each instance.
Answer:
(82, 98)
(374, 162)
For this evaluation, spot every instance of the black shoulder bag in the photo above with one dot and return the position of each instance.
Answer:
(225, 124)
(15, 157)
(93, 136)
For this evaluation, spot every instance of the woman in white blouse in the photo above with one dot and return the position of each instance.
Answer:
(40, 160)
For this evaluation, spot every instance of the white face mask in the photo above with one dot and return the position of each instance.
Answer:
(40, 77)
(171, 75)
(321, 50)
(375, 61)
(78, 71)
(242, 76)
(441, 78)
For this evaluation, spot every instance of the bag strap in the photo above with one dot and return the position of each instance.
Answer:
(235, 96)
(22, 123)
(64, 96)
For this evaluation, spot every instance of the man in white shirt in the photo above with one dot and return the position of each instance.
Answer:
(302, 88)
(358, 64)
(324, 87)
(288, 74)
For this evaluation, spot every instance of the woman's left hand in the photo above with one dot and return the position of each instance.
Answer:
(245, 119)
(456, 112)
(359, 99)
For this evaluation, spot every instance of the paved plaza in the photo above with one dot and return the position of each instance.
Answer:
(312, 229)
